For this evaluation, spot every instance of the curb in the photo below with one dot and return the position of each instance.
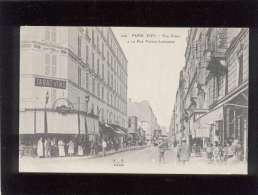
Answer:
(95, 156)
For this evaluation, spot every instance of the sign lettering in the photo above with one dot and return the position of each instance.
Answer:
(43, 82)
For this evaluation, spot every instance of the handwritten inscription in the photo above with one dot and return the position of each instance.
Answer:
(118, 162)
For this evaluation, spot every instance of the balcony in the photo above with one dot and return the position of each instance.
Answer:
(217, 66)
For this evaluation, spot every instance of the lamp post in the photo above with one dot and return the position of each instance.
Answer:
(45, 123)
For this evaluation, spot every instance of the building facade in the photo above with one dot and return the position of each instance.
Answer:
(213, 87)
(145, 115)
(84, 65)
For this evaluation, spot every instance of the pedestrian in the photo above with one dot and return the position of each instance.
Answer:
(104, 145)
(216, 152)
(47, 147)
(237, 150)
(70, 148)
(61, 149)
(52, 147)
(209, 152)
(230, 152)
(184, 152)
(34, 148)
(163, 146)
(178, 151)
(225, 152)
(80, 150)
(40, 148)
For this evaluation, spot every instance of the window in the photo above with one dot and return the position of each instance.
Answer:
(112, 81)
(92, 109)
(79, 46)
(107, 97)
(47, 62)
(53, 94)
(47, 35)
(129, 122)
(53, 35)
(93, 85)
(93, 60)
(240, 69)
(98, 90)
(92, 34)
(87, 31)
(98, 42)
(108, 57)
(54, 65)
(98, 66)
(102, 114)
(102, 93)
(102, 48)
(87, 54)
(79, 76)
(108, 78)
(87, 81)
(102, 71)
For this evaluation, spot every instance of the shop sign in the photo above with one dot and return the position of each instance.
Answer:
(43, 82)
(63, 109)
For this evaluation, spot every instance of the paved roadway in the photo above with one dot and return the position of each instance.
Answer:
(137, 161)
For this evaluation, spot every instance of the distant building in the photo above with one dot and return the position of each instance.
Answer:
(146, 118)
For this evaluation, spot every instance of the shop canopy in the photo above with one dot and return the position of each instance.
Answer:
(202, 125)
(110, 128)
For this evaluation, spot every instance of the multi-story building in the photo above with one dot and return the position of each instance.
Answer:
(73, 63)
(213, 86)
(146, 117)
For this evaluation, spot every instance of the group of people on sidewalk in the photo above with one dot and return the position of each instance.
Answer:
(53, 148)
(231, 152)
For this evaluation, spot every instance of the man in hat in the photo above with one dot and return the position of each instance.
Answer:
(183, 152)
(163, 146)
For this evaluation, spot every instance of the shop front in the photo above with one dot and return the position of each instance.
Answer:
(52, 127)
(114, 135)
(208, 128)
(236, 123)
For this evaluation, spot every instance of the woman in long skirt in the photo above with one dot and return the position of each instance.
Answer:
(40, 148)
(61, 149)
(70, 148)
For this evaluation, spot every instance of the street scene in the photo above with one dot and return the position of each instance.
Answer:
(133, 100)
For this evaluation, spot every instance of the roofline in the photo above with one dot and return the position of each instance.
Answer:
(236, 40)
(110, 29)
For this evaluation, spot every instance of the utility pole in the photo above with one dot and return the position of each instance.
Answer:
(45, 123)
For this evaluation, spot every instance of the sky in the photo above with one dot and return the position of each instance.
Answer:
(155, 57)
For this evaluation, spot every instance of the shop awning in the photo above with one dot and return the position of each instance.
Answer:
(201, 132)
(202, 124)
(118, 129)
(108, 128)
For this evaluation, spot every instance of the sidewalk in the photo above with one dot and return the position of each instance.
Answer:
(99, 155)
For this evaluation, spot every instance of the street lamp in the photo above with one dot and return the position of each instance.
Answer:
(45, 123)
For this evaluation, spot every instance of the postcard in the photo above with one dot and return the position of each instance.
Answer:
(136, 100)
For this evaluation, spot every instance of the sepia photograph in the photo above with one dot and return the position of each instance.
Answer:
(133, 100)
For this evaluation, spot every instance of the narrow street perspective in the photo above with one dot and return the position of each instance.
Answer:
(133, 100)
